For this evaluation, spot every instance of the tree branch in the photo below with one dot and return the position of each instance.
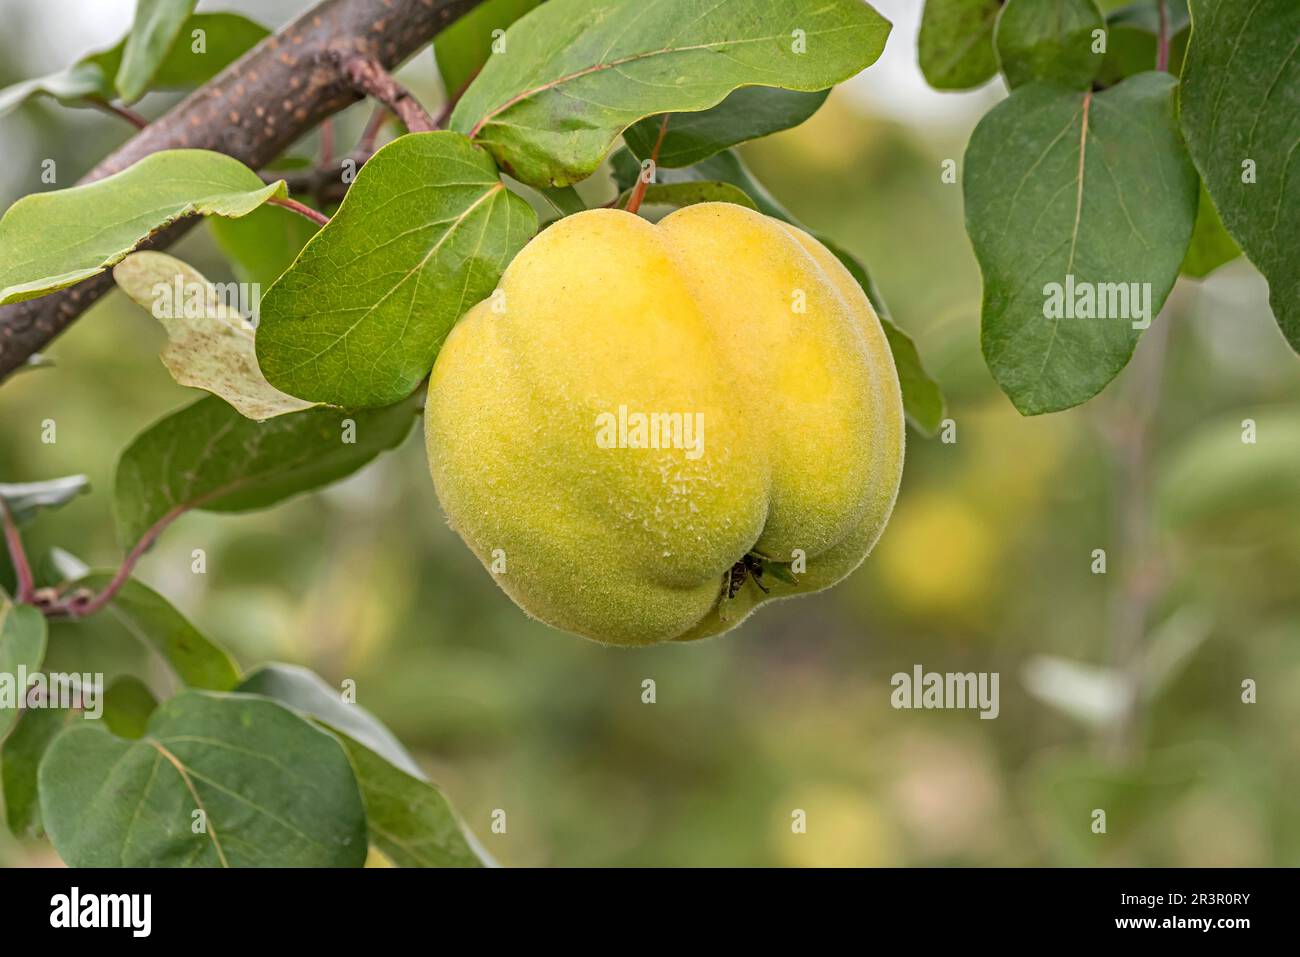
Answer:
(367, 75)
(253, 110)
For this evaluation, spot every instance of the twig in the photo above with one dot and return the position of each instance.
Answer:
(132, 117)
(638, 194)
(367, 75)
(17, 555)
(81, 605)
(275, 93)
(1132, 439)
(327, 141)
(444, 114)
(319, 218)
(1162, 42)
(374, 126)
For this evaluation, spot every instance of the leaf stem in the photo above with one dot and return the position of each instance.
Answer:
(638, 194)
(132, 117)
(444, 114)
(80, 606)
(327, 141)
(22, 568)
(373, 128)
(1162, 43)
(367, 75)
(301, 209)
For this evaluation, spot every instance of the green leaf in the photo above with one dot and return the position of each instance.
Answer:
(156, 623)
(22, 646)
(955, 45)
(747, 114)
(1092, 186)
(228, 37)
(49, 241)
(423, 234)
(724, 167)
(128, 703)
(1050, 40)
(1211, 245)
(263, 244)
(157, 25)
(463, 48)
(579, 72)
(1240, 98)
(409, 819)
(922, 399)
(563, 199)
(20, 756)
(1214, 478)
(687, 194)
(274, 790)
(210, 344)
(24, 499)
(207, 456)
(306, 691)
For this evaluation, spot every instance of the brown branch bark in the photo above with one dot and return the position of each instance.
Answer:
(253, 110)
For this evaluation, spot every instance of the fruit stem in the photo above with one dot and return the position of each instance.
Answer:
(319, 218)
(132, 117)
(638, 194)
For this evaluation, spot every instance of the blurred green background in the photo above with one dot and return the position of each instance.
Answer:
(986, 565)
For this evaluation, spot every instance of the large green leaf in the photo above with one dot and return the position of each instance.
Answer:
(22, 646)
(1064, 189)
(1050, 40)
(25, 499)
(49, 241)
(422, 235)
(409, 819)
(156, 623)
(207, 456)
(1240, 98)
(20, 756)
(228, 37)
(307, 691)
(579, 72)
(463, 48)
(274, 790)
(155, 29)
(747, 114)
(955, 45)
(210, 344)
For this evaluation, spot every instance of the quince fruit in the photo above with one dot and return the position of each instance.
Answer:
(648, 430)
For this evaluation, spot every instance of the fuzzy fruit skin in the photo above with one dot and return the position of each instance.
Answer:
(803, 420)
